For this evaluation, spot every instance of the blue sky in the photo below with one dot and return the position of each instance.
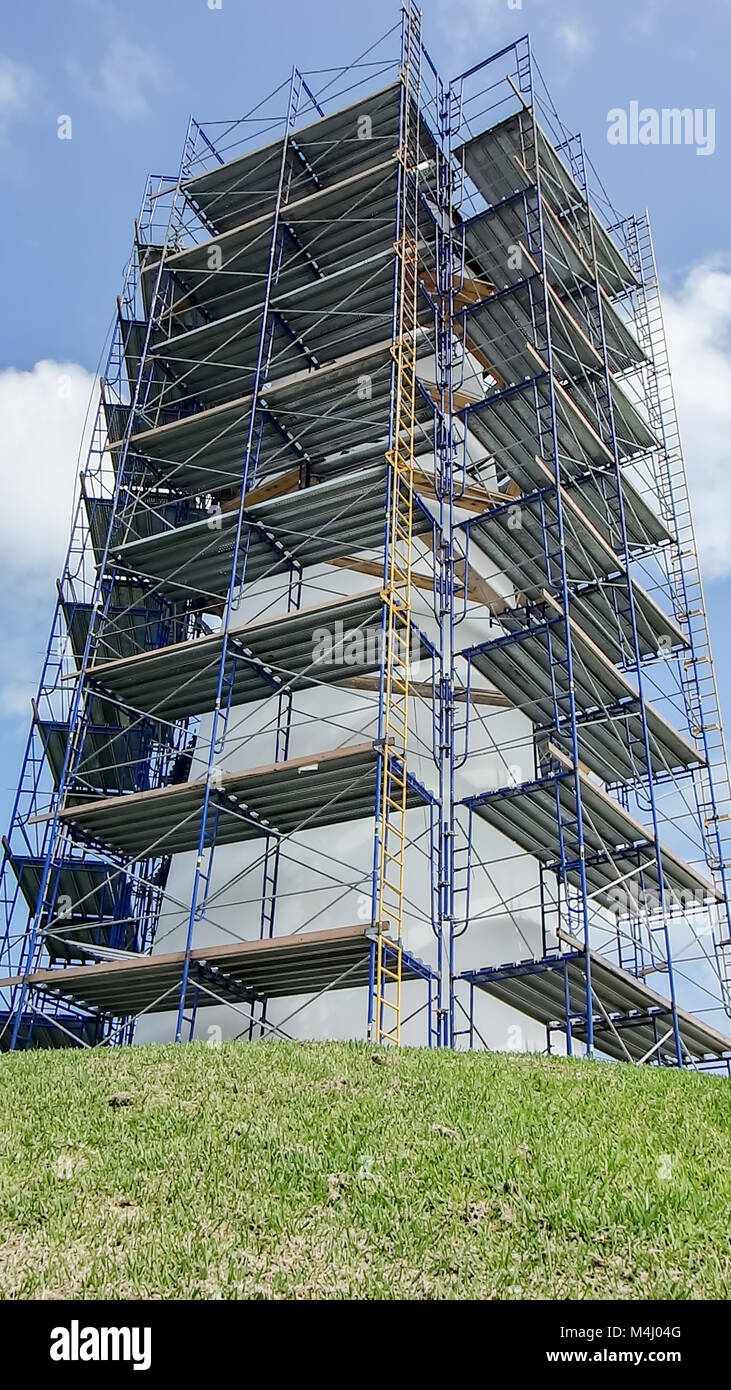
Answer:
(129, 75)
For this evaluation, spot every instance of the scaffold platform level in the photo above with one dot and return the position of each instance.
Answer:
(133, 618)
(318, 789)
(507, 426)
(501, 327)
(567, 271)
(322, 153)
(511, 533)
(309, 527)
(496, 331)
(238, 971)
(89, 889)
(599, 596)
(639, 526)
(105, 771)
(615, 843)
(344, 312)
(529, 662)
(595, 498)
(632, 1022)
(266, 656)
(320, 422)
(495, 161)
(345, 222)
(61, 1030)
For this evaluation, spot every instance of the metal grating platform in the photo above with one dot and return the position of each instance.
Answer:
(266, 656)
(297, 795)
(88, 890)
(322, 421)
(111, 759)
(327, 228)
(512, 537)
(527, 664)
(617, 845)
(305, 963)
(309, 527)
(495, 161)
(322, 153)
(507, 428)
(630, 1020)
(345, 312)
(566, 268)
(502, 326)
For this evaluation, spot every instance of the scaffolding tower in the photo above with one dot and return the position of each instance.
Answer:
(381, 604)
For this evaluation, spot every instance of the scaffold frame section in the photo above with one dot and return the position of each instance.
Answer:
(391, 326)
(245, 972)
(632, 1022)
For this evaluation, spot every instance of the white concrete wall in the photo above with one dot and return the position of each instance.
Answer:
(505, 922)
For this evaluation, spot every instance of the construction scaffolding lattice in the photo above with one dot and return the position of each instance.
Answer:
(381, 605)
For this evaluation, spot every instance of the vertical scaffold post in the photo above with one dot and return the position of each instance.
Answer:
(390, 839)
(570, 822)
(210, 809)
(604, 386)
(711, 782)
(448, 273)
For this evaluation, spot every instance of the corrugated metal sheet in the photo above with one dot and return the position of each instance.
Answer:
(513, 536)
(486, 237)
(132, 623)
(266, 656)
(601, 604)
(525, 665)
(508, 429)
(312, 526)
(305, 963)
(109, 760)
(90, 891)
(324, 231)
(345, 312)
(320, 153)
(497, 162)
(322, 789)
(305, 419)
(502, 326)
(615, 842)
(538, 989)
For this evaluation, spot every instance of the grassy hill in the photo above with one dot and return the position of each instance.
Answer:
(280, 1170)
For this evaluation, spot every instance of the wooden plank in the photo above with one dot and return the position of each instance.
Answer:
(234, 950)
(198, 784)
(424, 690)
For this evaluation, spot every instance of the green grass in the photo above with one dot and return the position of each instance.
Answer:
(277, 1170)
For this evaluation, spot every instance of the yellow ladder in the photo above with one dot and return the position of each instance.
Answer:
(397, 598)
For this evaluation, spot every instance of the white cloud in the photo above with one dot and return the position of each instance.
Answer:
(18, 86)
(698, 321)
(644, 18)
(43, 413)
(467, 23)
(124, 78)
(572, 36)
(473, 29)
